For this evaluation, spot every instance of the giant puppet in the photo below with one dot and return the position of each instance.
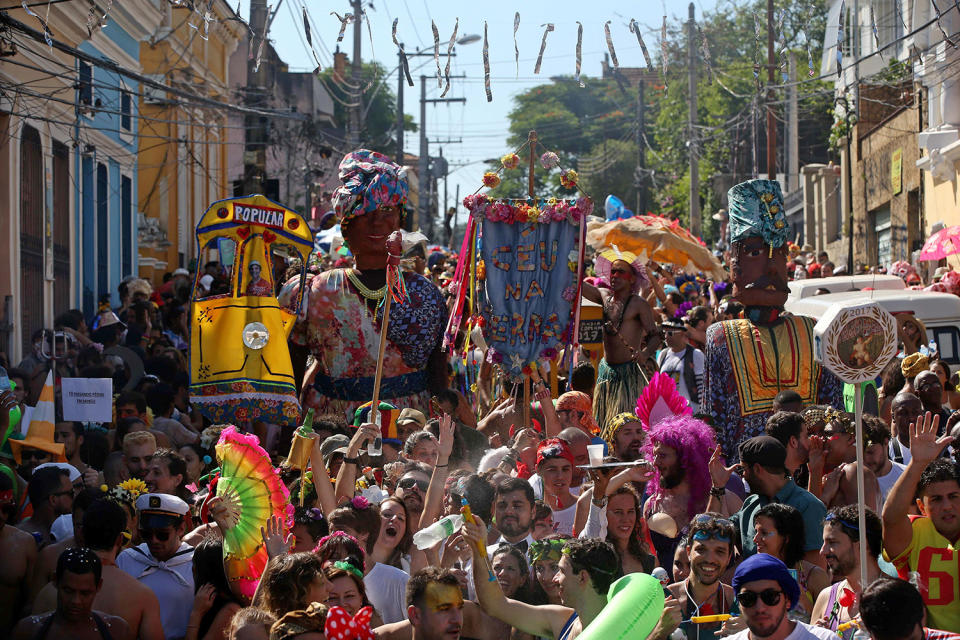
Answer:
(341, 315)
(752, 359)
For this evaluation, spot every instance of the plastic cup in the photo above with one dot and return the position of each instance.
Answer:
(595, 451)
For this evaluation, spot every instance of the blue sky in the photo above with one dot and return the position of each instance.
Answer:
(481, 125)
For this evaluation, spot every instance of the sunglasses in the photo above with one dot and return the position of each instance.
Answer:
(33, 454)
(160, 535)
(769, 597)
(410, 483)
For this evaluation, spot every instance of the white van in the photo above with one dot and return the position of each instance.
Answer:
(939, 312)
(835, 284)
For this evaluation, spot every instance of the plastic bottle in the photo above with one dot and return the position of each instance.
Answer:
(375, 446)
(307, 426)
(439, 530)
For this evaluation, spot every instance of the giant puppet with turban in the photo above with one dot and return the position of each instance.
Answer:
(752, 359)
(340, 318)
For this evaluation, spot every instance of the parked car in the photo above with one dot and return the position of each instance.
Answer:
(836, 284)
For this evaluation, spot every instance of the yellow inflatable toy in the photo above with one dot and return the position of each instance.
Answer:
(240, 365)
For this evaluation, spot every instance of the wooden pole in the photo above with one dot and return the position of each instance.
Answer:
(375, 406)
(532, 148)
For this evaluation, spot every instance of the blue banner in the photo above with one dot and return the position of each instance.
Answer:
(530, 286)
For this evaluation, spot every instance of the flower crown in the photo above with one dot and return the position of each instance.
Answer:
(540, 549)
(128, 491)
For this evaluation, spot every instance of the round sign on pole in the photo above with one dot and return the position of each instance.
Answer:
(855, 341)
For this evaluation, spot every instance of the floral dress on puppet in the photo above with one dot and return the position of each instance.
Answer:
(752, 359)
(240, 366)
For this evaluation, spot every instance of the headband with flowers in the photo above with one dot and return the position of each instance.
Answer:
(545, 550)
(349, 568)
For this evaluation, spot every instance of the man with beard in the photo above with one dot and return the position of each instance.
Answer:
(763, 460)
(78, 582)
(840, 454)
(791, 430)
(138, 449)
(412, 488)
(625, 436)
(70, 434)
(876, 440)
(162, 562)
(513, 514)
(927, 545)
(751, 359)
(765, 592)
(630, 336)
(679, 448)
(710, 549)
(841, 550)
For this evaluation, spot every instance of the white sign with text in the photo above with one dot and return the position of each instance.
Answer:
(87, 399)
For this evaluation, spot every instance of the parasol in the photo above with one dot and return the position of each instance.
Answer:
(656, 238)
(941, 244)
(252, 492)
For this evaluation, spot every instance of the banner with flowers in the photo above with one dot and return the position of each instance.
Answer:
(527, 276)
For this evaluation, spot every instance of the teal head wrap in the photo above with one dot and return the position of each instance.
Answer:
(756, 209)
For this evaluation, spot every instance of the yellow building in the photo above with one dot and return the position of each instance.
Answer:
(183, 147)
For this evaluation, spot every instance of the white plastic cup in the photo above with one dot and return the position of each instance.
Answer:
(595, 451)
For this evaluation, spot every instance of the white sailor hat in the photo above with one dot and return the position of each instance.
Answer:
(69, 468)
(161, 504)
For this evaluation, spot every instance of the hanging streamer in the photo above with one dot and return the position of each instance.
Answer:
(47, 34)
(94, 21)
(543, 45)
(486, 63)
(344, 21)
(309, 36)
(436, 52)
(446, 71)
(263, 40)
(840, 40)
(705, 52)
(810, 70)
(946, 38)
(516, 49)
(206, 16)
(876, 34)
(756, 50)
(579, 50)
(366, 19)
(663, 50)
(613, 53)
(403, 56)
(898, 9)
(635, 28)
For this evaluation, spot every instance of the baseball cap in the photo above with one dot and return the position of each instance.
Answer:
(764, 450)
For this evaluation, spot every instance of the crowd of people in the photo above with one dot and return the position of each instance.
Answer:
(104, 530)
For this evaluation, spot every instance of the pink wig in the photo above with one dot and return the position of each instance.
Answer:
(694, 441)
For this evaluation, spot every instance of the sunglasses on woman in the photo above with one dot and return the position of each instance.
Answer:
(769, 597)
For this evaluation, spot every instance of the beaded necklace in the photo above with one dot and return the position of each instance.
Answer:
(364, 290)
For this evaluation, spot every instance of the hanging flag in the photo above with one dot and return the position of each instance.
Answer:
(516, 49)
(446, 71)
(344, 21)
(613, 53)
(543, 46)
(635, 28)
(486, 63)
(403, 56)
(579, 50)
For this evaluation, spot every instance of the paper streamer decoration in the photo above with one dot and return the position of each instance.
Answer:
(898, 9)
(344, 21)
(207, 17)
(579, 49)
(840, 39)
(95, 21)
(663, 50)
(436, 52)
(446, 71)
(47, 34)
(486, 63)
(946, 38)
(516, 49)
(613, 53)
(705, 52)
(543, 45)
(309, 36)
(756, 49)
(810, 70)
(403, 55)
(366, 19)
(635, 28)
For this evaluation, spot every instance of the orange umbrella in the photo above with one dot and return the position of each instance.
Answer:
(656, 238)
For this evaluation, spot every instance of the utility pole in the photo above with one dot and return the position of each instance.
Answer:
(424, 182)
(255, 151)
(355, 69)
(691, 121)
(639, 179)
(771, 78)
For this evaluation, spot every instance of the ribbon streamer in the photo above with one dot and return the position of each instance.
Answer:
(810, 71)
(840, 40)
(946, 38)
(635, 28)
(47, 34)
(486, 62)
(516, 49)
(579, 48)
(613, 53)
(899, 11)
(663, 51)
(93, 21)
(705, 52)
(403, 55)
(756, 50)
(206, 16)
(309, 36)
(344, 21)
(543, 46)
(446, 71)
(876, 34)
(436, 52)
(366, 19)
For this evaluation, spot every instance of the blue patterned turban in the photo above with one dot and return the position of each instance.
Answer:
(370, 181)
(756, 209)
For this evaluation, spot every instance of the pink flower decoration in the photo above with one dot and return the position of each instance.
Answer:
(359, 502)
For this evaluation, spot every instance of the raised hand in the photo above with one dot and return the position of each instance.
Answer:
(204, 599)
(274, 540)
(719, 472)
(447, 428)
(365, 433)
(925, 446)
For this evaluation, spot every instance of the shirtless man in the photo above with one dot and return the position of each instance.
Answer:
(121, 594)
(45, 568)
(78, 582)
(51, 494)
(18, 553)
(630, 336)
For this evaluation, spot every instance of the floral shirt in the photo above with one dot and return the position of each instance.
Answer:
(343, 335)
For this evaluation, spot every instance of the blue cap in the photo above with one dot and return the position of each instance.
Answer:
(762, 566)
